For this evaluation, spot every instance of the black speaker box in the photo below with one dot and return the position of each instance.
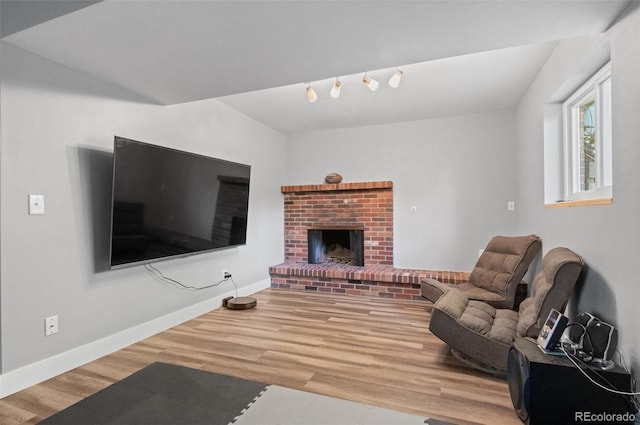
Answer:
(594, 337)
(604, 340)
(549, 390)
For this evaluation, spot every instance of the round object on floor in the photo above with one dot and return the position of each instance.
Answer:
(241, 303)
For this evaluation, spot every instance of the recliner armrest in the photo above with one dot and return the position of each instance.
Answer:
(453, 303)
(433, 289)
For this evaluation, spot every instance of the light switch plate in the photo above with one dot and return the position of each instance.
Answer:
(50, 325)
(36, 204)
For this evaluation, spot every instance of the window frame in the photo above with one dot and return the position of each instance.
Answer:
(570, 107)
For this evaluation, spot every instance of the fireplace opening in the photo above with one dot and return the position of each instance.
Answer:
(336, 246)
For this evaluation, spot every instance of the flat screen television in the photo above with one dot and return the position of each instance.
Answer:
(168, 203)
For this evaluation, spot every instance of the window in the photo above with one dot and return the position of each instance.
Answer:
(587, 139)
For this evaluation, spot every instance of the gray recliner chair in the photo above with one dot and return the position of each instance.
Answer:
(496, 275)
(481, 334)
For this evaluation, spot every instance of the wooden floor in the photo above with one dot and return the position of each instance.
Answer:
(369, 350)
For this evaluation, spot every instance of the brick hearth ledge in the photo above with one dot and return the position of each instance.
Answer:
(378, 281)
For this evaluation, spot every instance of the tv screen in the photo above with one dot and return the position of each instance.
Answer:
(169, 203)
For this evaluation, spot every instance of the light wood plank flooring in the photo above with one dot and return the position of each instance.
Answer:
(369, 350)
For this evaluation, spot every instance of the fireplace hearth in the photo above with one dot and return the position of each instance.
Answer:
(338, 211)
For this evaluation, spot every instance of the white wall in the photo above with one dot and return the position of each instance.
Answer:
(459, 173)
(608, 237)
(57, 136)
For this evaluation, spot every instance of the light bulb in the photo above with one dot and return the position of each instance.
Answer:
(311, 94)
(371, 83)
(394, 81)
(335, 90)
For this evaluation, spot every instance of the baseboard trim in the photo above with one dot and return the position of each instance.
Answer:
(26, 376)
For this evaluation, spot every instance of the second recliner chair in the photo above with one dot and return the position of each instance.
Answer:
(496, 275)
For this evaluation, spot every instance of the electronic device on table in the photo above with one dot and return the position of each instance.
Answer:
(588, 338)
(577, 379)
(549, 337)
(552, 390)
(592, 340)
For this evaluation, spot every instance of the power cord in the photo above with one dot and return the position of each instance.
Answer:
(576, 345)
(157, 273)
(574, 359)
(634, 401)
(630, 398)
(571, 349)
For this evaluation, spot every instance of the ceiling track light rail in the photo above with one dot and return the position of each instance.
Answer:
(371, 84)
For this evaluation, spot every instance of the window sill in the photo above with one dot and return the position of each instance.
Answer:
(580, 203)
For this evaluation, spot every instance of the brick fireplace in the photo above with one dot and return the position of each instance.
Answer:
(365, 207)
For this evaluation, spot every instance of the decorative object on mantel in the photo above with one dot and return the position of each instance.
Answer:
(333, 178)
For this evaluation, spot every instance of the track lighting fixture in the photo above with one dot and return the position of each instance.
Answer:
(335, 89)
(394, 81)
(370, 82)
(311, 94)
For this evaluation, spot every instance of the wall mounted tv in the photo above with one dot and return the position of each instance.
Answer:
(169, 203)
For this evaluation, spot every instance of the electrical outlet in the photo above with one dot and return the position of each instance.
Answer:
(50, 325)
(225, 274)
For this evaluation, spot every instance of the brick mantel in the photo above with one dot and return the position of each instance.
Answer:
(337, 187)
(368, 205)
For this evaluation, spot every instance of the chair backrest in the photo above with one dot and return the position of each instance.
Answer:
(552, 288)
(504, 262)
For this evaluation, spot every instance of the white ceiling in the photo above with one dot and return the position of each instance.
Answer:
(479, 82)
(458, 56)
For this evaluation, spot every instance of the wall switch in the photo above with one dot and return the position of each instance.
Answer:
(511, 205)
(51, 325)
(36, 204)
